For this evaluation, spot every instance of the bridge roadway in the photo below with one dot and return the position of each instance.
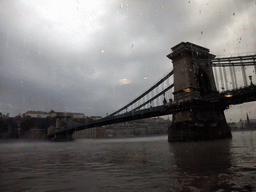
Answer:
(217, 99)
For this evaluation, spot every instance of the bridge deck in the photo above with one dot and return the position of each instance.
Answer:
(239, 96)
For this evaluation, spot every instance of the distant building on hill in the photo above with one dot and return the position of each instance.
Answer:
(66, 114)
(36, 114)
(94, 118)
(44, 114)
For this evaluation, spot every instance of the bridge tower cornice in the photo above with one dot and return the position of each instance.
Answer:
(190, 49)
(192, 70)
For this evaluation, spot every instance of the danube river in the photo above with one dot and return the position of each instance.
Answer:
(134, 164)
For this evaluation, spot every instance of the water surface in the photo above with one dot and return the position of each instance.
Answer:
(134, 164)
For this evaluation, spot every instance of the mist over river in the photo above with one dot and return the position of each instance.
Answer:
(132, 164)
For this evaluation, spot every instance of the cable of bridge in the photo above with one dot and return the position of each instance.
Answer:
(225, 77)
(221, 77)
(153, 98)
(234, 73)
(234, 61)
(232, 77)
(243, 72)
(238, 63)
(254, 58)
(237, 58)
(144, 94)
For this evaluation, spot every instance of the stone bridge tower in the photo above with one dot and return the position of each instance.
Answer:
(193, 79)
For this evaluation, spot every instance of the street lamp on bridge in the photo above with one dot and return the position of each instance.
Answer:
(250, 77)
(228, 94)
(187, 90)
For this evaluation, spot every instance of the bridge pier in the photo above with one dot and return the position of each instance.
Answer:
(204, 122)
(193, 79)
(62, 136)
(61, 132)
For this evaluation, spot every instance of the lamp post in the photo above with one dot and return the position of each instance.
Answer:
(250, 77)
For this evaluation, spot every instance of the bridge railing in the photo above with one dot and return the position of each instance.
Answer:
(234, 72)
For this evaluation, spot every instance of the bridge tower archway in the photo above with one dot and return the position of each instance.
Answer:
(193, 78)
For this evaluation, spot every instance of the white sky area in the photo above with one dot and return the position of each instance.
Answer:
(96, 56)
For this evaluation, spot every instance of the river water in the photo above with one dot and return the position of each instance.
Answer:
(134, 164)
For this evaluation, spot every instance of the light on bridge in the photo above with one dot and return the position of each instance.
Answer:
(187, 90)
(228, 94)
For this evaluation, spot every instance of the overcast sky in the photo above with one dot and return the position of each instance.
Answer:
(71, 55)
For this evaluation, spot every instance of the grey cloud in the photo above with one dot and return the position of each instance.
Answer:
(44, 67)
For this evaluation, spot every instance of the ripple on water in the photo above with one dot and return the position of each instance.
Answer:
(142, 164)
